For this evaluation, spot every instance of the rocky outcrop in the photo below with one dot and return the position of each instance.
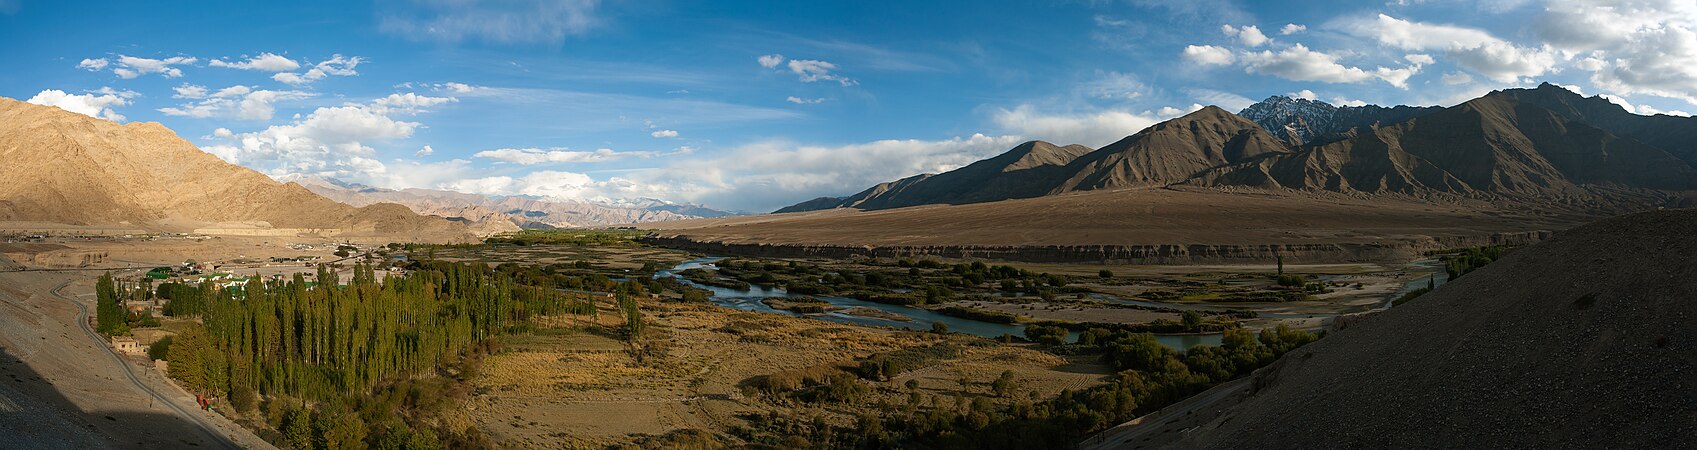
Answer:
(1380, 251)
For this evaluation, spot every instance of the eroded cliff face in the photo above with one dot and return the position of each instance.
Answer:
(1377, 251)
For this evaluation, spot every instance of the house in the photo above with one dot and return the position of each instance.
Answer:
(127, 345)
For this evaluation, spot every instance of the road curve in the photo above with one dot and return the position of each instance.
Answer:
(208, 429)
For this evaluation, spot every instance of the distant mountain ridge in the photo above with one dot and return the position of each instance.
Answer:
(1545, 145)
(493, 214)
(1302, 121)
(62, 167)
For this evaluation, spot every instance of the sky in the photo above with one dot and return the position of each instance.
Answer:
(751, 106)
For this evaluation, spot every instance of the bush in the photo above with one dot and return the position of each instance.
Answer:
(1105, 273)
(160, 349)
(939, 328)
(1292, 280)
(1046, 335)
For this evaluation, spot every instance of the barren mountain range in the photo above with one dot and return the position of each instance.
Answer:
(66, 168)
(1537, 146)
(490, 214)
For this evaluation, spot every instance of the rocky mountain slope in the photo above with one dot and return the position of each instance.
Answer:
(1493, 146)
(1677, 135)
(1301, 121)
(1507, 146)
(67, 168)
(491, 214)
(1167, 153)
(1582, 341)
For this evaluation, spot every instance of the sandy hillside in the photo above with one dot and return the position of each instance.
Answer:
(72, 169)
(1192, 221)
(1584, 341)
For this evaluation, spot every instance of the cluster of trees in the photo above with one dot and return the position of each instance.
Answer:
(1470, 259)
(111, 318)
(330, 343)
(1151, 377)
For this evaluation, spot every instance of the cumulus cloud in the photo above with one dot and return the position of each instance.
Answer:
(1303, 94)
(128, 67)
(1474, 49)
(329, 141)
(1208, 55)
(1168, 112)
(1094, 129)
(804, 101)
(664, 134)
(1291, 28)
(533, 156)
(770, 174)
(423, 152)
(268, 62)
(337, 65)
(96, 104)
(1299, 63)
(1641, 47)
(238, 101)
(1248, 34)
(807, 70)
(509, 22)
(409, 103)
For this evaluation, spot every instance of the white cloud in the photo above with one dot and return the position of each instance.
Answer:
(329, 141)
(423, 152)
(512, 21)
(1341, 101)
(1208, 55)
(457, 88)
(1419, 58)
(269, 62)
(1094, 129)
(809, 71)
(533, 156)
(1472, 48)
(771, 61)
(337, 65)
(664, 134)
(239, 101)
(189, 91)
(409, 103)
(1227, 100)
(1641, 47)
(1248, 34)
(91, 105)
(1301, 64)
(804, 101)
(128, 67)
(1303, 94)
(1291, 28)
(767, 175)
(1455, 78)
(1168, 112)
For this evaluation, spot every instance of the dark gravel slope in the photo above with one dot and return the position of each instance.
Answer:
(1586, 340)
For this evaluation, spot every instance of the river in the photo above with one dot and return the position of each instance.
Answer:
(751, 300)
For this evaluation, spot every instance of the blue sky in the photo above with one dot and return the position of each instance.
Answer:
(756, 105)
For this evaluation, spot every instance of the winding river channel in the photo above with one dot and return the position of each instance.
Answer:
(919, 318)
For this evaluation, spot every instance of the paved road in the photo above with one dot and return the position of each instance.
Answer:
(206, 428)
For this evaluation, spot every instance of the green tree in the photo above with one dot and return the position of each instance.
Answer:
(1004, 384)
(939, 328)
(1192, 320)
(160, 349)
(1105, 273)
(297, 429)
(108, 309)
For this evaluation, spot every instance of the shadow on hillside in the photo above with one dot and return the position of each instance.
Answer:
(35, 414)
